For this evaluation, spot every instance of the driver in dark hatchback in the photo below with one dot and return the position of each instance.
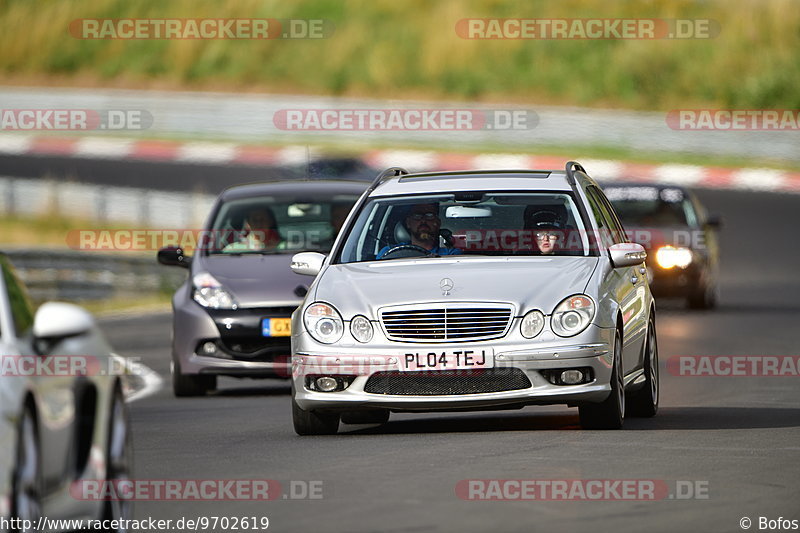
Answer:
(232, 316)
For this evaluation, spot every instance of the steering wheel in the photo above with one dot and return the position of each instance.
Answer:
(401, 247)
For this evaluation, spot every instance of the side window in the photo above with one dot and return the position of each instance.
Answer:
(604, 220)
(21, 308)
(617, 230)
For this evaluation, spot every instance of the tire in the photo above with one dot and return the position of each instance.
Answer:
(610, 413)
(366, 416)
(184, 385)
(26, 482)
(702, 297)
(644, 402)
(118, 458)
(313, 422)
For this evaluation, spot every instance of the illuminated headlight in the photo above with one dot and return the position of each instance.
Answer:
(572, 315)
(361, 328)
(670, 256)
(323, 322)
(532, 324)
(208, 292)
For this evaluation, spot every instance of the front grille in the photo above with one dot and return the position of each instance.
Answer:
(448, 323)
(447, 382)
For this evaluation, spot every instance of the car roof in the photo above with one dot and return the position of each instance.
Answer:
(471, 180)
(294, 188)
(659, 186)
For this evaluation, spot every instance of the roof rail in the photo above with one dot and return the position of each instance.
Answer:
(390, 172)
(572, 166)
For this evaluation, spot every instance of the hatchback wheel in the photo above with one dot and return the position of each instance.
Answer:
(644, 402)
(26, 482)
(191, 384)
(610, 413)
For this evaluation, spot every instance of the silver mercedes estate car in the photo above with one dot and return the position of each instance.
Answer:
(475, 290)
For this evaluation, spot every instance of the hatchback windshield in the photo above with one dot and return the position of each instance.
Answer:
(269, 224)
(466, 223)
(651, 206)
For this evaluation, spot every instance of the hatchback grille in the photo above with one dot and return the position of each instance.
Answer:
(446, 324)
(447, 382)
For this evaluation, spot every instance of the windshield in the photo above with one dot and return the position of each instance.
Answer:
(651, 206)
(465, 224)
(274, 225)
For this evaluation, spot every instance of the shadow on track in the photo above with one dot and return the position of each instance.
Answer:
(668, 418)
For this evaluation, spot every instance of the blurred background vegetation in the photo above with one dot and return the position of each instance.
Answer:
(409, 49)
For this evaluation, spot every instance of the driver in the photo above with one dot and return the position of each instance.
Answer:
(260, 232)
(423, 224)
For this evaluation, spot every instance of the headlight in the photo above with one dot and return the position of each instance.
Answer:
(361, 328)
(572, 315)
(669, 256)
(323, 322)
(209, 292)
(532, 324)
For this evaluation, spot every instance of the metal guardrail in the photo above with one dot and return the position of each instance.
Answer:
(72, 275)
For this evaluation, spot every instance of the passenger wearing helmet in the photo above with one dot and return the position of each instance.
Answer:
(548, 231)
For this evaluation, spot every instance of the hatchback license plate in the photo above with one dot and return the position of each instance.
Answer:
(276, 327)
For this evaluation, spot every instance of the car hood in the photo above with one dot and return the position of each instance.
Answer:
(525, 282)
(257, 280)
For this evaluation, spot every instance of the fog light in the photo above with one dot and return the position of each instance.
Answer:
(571, 377)
(208, 348)
(326, 384)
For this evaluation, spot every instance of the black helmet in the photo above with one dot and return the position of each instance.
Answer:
(545, 220)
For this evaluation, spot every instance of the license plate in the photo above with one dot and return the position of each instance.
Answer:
(276, 327)
(464, 359)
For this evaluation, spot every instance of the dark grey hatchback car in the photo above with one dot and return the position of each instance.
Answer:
(232, 316)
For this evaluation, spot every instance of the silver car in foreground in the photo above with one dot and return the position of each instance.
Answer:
(63, 419)
(475, 290)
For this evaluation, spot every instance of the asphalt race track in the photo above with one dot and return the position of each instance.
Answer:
(734, 440)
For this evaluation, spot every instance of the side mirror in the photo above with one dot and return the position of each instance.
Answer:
(627, 254)
(174, 256)
(307, 263)
(714, 221)
(58, 320)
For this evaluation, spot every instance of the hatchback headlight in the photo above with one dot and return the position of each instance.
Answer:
(209, 292)
(532, 324)
(572, 315)
(361, 328)
(670, 256)
(323, 322)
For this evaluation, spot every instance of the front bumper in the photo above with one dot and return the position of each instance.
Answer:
(592, 350)
(241, 349)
